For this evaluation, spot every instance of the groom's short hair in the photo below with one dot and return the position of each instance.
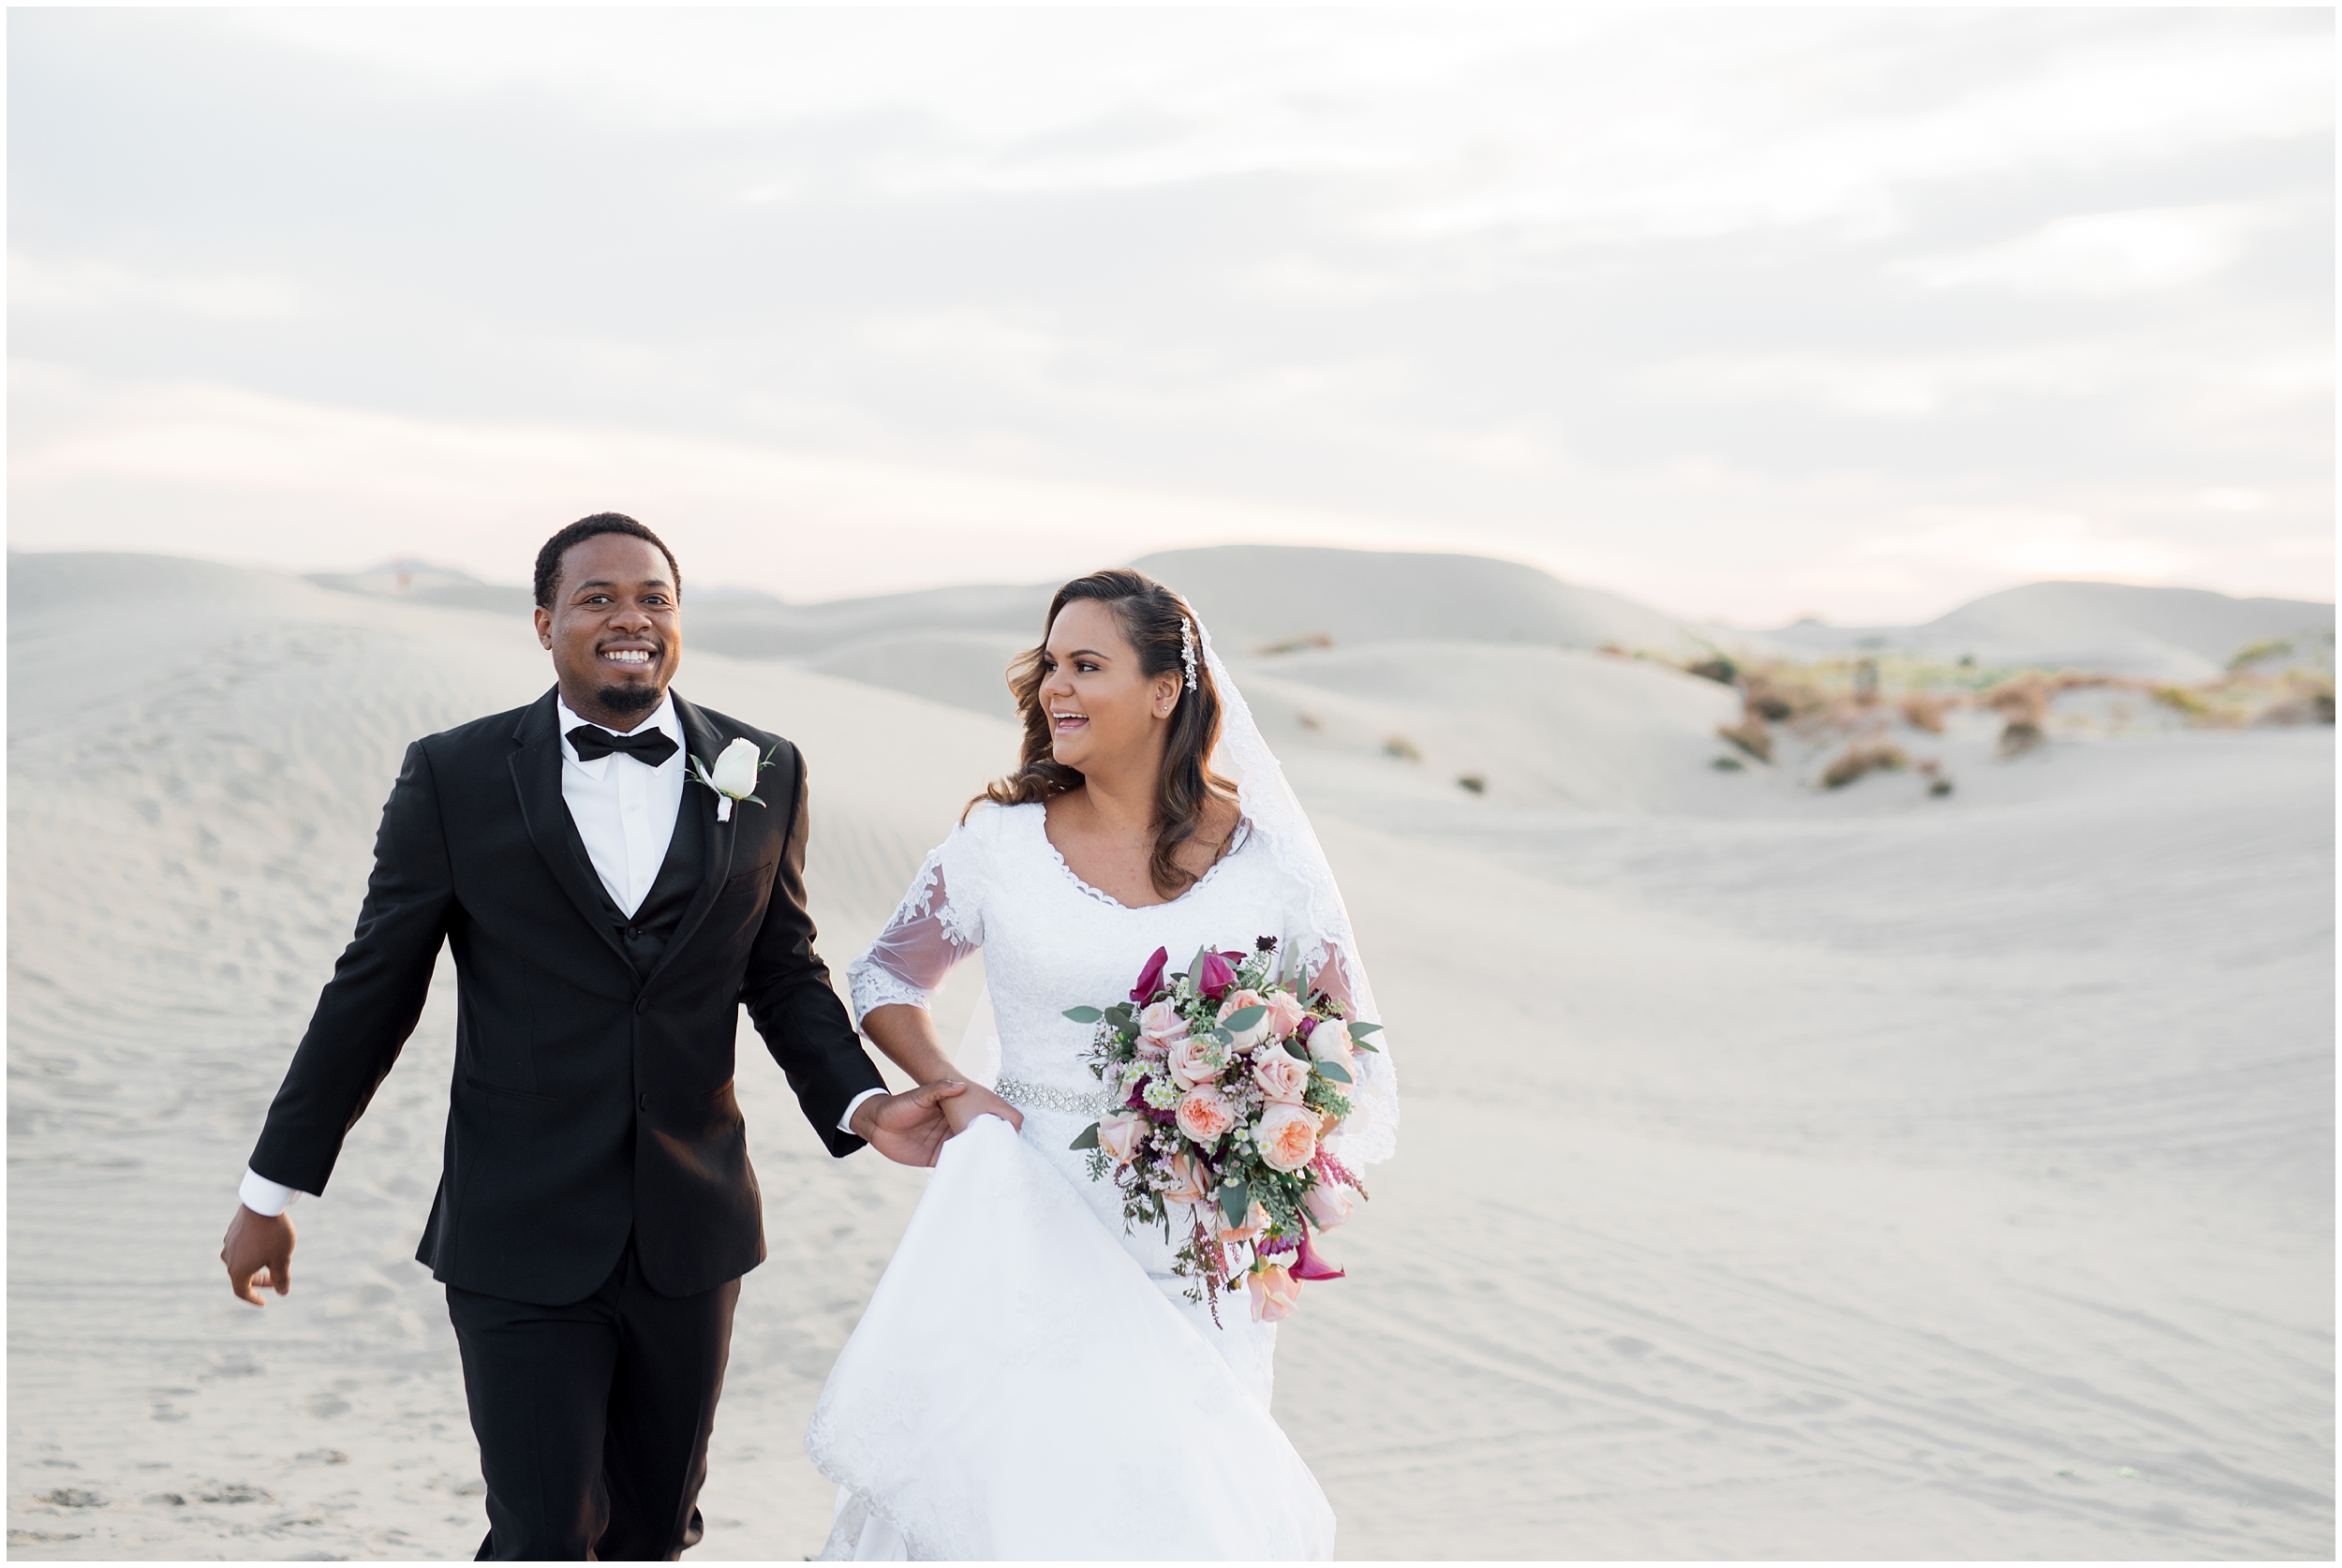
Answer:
(549, 558)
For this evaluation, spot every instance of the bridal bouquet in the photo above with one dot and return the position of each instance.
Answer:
(1231, 1076)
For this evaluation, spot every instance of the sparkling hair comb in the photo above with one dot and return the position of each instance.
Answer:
(1187, 650)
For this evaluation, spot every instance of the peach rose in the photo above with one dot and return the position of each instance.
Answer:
(1205, 1115)
(1159, 1024)
(1329, 1205)
(1191, 1181)
(1286, 1013)
(1287, 1136)
(1190, 1063)
(1121, 1135)
(1275, 1294)
(1281, 1074)
(1255, 1222)
(1247, 1038)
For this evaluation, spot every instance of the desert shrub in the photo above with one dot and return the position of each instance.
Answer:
(2182, 700)
(2254, 652)
(1728, 764)
(1776, 698)
(1719, 669)
(1749, 736)
(2021, 735)
(1404, 748)
(2311, 701)
(1861, 758)
(2022, 701)
(1924, 710)
(1472, 783)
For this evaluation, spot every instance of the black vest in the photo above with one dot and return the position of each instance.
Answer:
(645, 933)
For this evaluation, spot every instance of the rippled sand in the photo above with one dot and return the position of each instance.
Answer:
(1782, 1173)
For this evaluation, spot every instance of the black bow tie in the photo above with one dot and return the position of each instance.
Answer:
(649, 748)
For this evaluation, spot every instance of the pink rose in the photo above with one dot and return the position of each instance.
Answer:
(1121, 1135)
(1161, 1023)
(1245, 1038)
(1275, 1294)
(1281, 1074)
(1286, 1013)
(1205, 1115)
(1329, 1205)
(1288, 1135)
(1190, 1063)
(1190, 1180)
(1331, 1042)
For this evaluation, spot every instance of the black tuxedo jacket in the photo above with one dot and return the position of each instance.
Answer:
(589, 1102)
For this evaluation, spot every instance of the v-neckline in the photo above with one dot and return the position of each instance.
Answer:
(1041, 812)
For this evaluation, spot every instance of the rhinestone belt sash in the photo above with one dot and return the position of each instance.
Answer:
(1041, 1097)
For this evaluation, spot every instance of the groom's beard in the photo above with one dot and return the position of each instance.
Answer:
(628, 699)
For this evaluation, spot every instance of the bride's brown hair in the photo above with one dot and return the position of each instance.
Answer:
(1162, 630)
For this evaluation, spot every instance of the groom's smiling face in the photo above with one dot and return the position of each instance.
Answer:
(614, 629)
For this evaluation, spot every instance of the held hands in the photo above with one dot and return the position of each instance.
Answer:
(258, 1253)
(909, 1129)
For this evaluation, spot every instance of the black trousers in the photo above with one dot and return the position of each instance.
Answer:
(593, 1418)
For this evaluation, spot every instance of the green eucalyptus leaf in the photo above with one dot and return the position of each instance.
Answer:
(1086, 1138)
(1295, 1048)
(1084, 1015)
(1358, 1030)
(1335, 1071)
(1236, 1201)
(1244, 1018)
(1221, 1036)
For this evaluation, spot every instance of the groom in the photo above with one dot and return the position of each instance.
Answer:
(596, 1207)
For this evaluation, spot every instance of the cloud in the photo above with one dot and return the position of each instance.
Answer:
(2017, 543)
(2143, 251)
(81, 287)
(483, 495)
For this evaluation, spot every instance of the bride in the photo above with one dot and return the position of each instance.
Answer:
(1030, 1380)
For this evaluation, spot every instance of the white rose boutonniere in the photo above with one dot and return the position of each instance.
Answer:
(734, 775)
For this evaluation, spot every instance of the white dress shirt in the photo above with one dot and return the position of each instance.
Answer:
(625, 811)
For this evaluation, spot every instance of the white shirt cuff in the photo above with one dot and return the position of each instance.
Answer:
(263, 1196)
(845, 1123)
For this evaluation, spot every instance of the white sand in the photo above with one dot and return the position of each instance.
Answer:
(1784, 1174)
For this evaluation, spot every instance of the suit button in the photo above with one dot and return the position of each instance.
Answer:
(633, 933)
(644, 1101)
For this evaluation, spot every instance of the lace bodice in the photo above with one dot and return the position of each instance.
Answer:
(1052, 941)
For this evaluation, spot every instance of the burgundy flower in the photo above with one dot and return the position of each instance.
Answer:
(1150, 977)
(1311, 1266)
(1214, 975)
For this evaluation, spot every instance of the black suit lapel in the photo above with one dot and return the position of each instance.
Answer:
(536, 777)
(703, 742)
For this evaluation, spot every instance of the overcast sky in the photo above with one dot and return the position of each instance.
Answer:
(1741, 314)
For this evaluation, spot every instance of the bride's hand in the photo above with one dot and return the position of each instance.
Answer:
(976, 1100)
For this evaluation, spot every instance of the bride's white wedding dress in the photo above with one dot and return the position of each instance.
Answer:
(1029, 1380)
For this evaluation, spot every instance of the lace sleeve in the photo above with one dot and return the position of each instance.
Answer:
(939, 923)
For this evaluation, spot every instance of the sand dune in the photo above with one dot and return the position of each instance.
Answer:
(2184, 634)
(1784, 1173)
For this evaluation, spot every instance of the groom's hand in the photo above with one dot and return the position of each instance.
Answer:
(908, 1128)
(911, 1129)
(258, 1252)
